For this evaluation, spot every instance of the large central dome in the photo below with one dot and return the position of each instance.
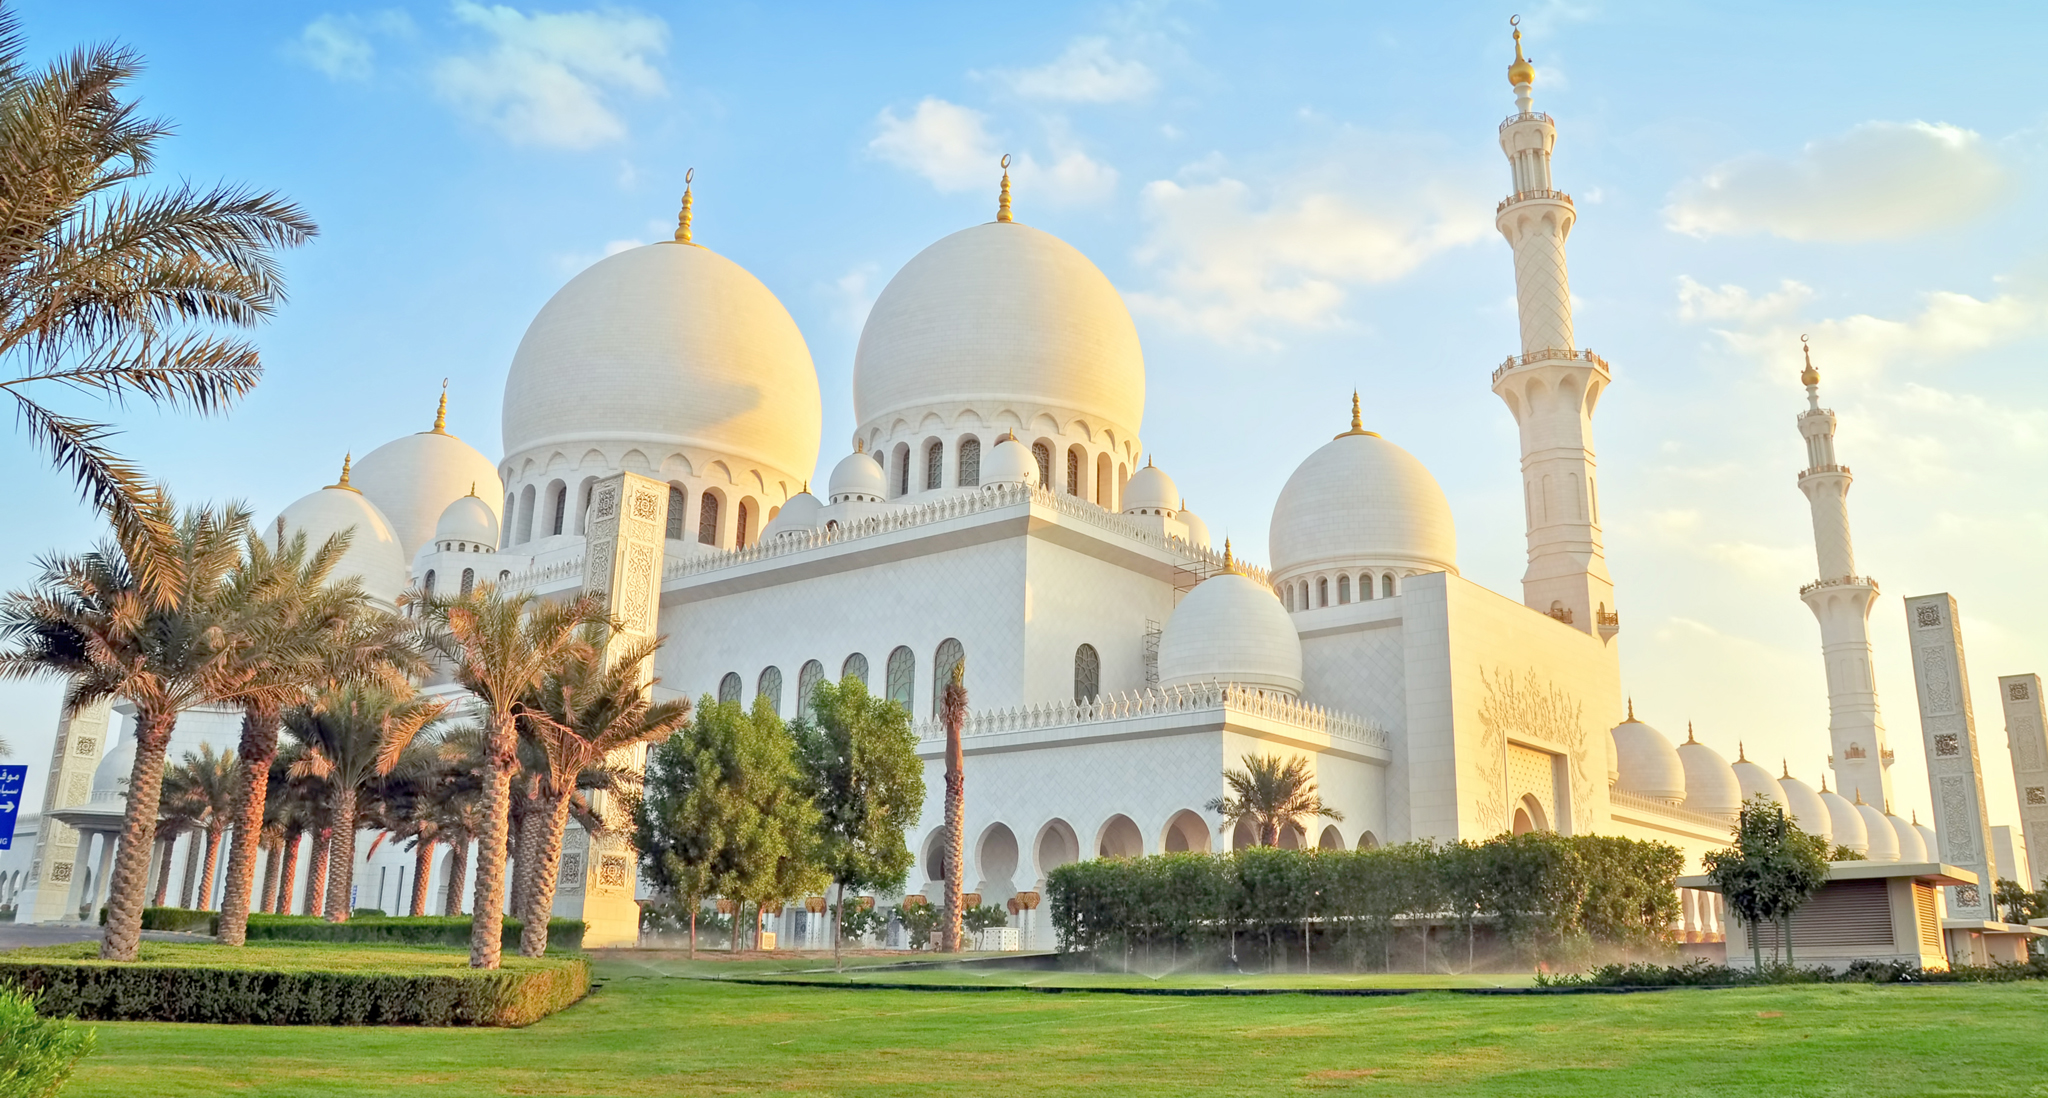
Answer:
(667, 345)
(1001, 315)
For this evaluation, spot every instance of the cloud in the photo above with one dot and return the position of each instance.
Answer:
(340, 45)
(1880, 180)
(548, 78)
(1085, 73)
(1233, 263)
(951, 147)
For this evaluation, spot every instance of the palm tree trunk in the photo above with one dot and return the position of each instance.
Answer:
(422, 872)
(486, 927)
(528, 823)
(212, 864)
(546, 855)
(163, 869)
(258, 748)
(191, 882)
(281, 904)
(130, 879)
(953, 712)
(273, 864)
(316, 873)
(458, 875)
(341, 854)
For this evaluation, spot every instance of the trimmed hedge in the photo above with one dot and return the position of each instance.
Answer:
(1700, 973)
(405, 930)
(280, 985)
(182, 919)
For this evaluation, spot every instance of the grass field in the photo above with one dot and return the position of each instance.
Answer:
(652, 1031)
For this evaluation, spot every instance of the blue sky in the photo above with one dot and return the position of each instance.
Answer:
(1295, 201)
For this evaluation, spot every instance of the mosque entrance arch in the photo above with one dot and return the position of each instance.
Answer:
(1292, 837)
(1529, 816)
(1185, 833)
(1120, 838)
(1244, 836)
(995, 858)
(1332, 839)
(1057, 845)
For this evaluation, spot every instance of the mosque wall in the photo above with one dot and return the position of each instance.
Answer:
(1072, 599)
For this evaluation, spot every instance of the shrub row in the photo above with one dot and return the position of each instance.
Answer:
(449, 930)
(1701, 973)
(182, 919)
(1544, 897)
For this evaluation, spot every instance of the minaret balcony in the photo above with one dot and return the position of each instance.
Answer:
(1840, 581)
(1525, 116)
(1820, 469)
(1532, 196)
(1548, 354)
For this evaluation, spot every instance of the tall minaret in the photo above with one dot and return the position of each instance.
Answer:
(1551, 386)
(1841, 599)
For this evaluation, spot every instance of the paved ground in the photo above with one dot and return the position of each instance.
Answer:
(15, 935)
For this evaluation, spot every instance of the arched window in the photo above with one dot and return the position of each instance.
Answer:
(950, 655)
(1287, 596)
(1387, 585)
(1043, 453)
(807, 679)
(1074, 471)
(1087, 673)
(739, 528)
(970, 462)
(468, 581)
(1322, 591)
(707, 520)
(677, 504)
(1365, 587)
(505, 575)
(903, 470)
(934, 465)
(1343, 590)
(902, 683)
(427, 586)
(855, 667)
(770, 687)
(561, 508)
(729, 687)
(525, 514)
(511, 512)
(1103, 495)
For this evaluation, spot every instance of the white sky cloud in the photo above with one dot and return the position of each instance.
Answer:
(1880, 180)
(341, 46)
(1087, 72)
(952, 148)
(550, 78)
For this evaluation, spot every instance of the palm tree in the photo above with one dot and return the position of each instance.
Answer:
(206, 782)
(584, 713)
(504, 645)
(107, 288)
(953, 714)
(1272, 793)
(183, 812)
(353, 733)
(156, 646)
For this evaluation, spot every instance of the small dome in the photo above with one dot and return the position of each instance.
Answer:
(1001, 315)
(1753, 779)
(110, 778)
(1645, 763)
(1009, 462)
(414, 478)
(1809, 813)
(1845, 822)
(1884, 839)
(857, 477)
(1231, 630)
(1710, 785)
(1151, 491)
(799, 515)
(468, 521)
(1361, 501)
(1911, 847)
(1928, 839)
(1198, 531)
(374, 551)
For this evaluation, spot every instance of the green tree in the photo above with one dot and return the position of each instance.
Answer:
(1272, 793)
(860, 757)
(1770, 872)
(112, 289)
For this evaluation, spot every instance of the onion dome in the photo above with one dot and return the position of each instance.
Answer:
(1846, 823)
(414, 478)
(1710, 785)
(1911, 847)
(998, 316)
(1645, 762)
(1927, 838)
(374, 552)
(666, 346)
(1198, 531)
(1361, 501)
(799, 515)
(111, 777)
(1521, 72)
(1009, 462)
(1231, 630)
(1151, 492)
(1884, 839)
(1809, 813)
(467, 526)
(1753, 779)
(857, 478)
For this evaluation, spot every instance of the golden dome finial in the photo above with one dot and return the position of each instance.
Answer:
(1808, 377)
(441, 413)
(1229, 565)
(1823, 783)
(1357, 422)
(1688, 733)
(1003, 202)
(346, 460)
(1521, 72)
(683, 219)
(860, 446)
(1631, 712)
(1741, 753)
(472, 489)
(1859, 794)
(1786, 766)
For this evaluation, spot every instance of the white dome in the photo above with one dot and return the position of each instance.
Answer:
(1009, 462)
(667, 345)
(374, 552)
(1645, 763)
(412, 479)
(468, 521)
(1809, 813)
(1230, 629)
(110, 778)
(1753, 779)
(1198, 531)
(1911, 847)
(1361, 500)
(1001, 315)
(1710, 785)
(857, 477)
(798, 515)
(1884, 840)
(1928, 839)
(1150, 491)
(1846, 823)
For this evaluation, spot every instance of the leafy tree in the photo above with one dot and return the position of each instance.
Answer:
(1770, 872)
(108, 288)
(2020, 904)
(860, 758)
(1272, 793)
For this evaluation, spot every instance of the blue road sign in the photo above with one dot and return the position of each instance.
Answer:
(12, 778)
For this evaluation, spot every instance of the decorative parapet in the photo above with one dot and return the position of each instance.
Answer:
(1818, 469)
(1228, 697)
(1531, 196)
(1526, 116)
(1549, 354)
(569, 568)
(1840, 581)
(1618, 799)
